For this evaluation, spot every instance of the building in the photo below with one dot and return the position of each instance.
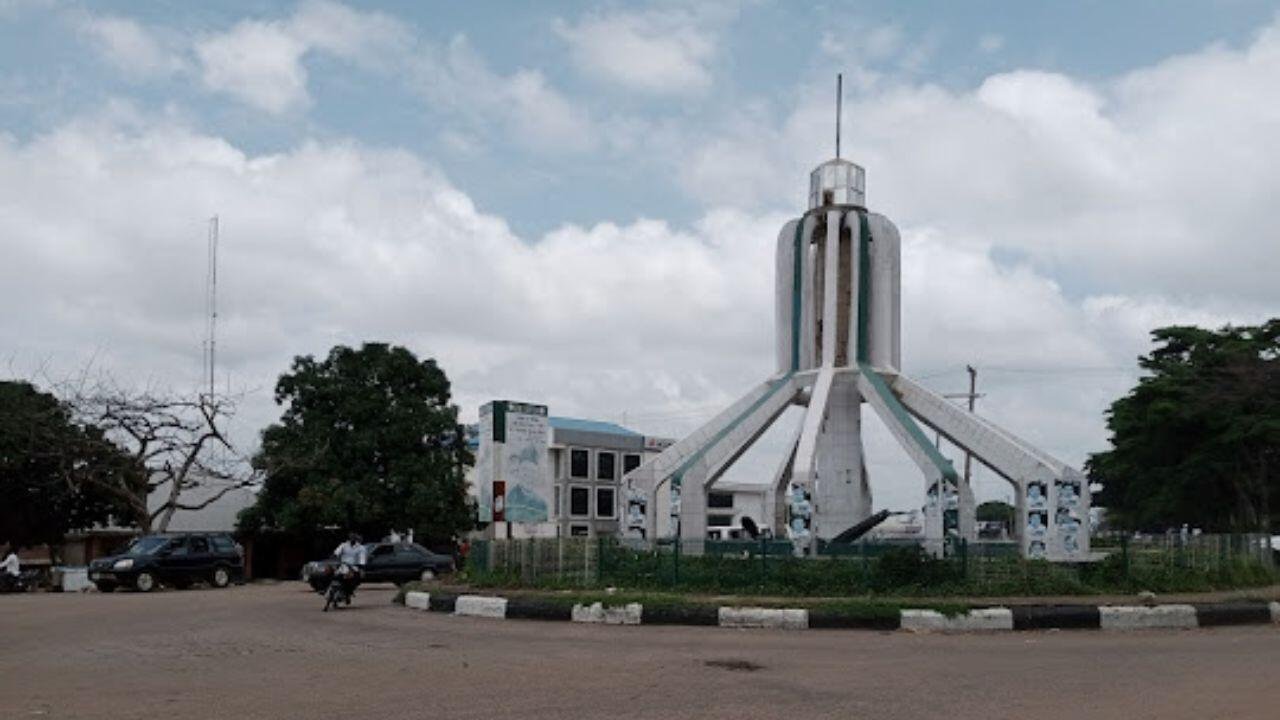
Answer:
(539, 475)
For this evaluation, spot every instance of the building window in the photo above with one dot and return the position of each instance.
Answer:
(579, 463)
(557, 464)
(606, 466)
(579, 531)
(719, 520)
(721, 500)
(605, 503)
(630, 462)
(556, 511)
(579, 501)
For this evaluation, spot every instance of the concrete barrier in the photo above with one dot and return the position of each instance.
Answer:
(417, 600)
(628, 614)
(983, 620)
(481, 606)
(756, 617)
(1275, 612)
(1136, 617)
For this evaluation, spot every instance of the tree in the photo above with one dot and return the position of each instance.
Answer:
(52, 469)
(190, 463)
(368, 441)
(996, 511)
(1197, 441)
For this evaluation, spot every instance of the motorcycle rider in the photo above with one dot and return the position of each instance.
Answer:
(11, 569)
(353, 554)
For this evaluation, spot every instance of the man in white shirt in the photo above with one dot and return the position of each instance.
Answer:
(352, 553)
(10, 568)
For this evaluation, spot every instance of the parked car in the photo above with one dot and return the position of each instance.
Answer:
(173, 559)
(399, 562)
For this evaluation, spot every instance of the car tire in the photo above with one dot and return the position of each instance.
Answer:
(221, 577)
(427, 575)
(144, 582)
(105, 587)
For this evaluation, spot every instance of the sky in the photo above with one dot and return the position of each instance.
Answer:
(576, 204)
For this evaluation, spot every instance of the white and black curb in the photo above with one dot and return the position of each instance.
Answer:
(992, 619)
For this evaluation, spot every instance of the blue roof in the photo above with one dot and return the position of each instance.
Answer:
(597, 426)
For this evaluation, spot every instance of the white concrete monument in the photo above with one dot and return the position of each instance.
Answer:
(838, 345)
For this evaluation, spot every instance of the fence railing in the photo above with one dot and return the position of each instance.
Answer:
(1126, 563)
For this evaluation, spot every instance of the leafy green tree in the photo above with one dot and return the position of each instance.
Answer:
(1197, 441)
(368, 441)
(995, 511)
(56, 474)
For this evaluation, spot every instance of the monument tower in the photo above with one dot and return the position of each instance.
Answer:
(838, 346)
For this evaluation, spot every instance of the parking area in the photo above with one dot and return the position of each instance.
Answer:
(267, 651)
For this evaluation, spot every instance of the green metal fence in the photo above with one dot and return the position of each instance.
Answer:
(1124, 564)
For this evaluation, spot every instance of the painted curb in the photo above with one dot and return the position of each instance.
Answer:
(1056, 617)
(628, 614)
(994, 619)
(981, 620)
(1139, 617)
(481, 606)
(1236, 613)
(758, 617)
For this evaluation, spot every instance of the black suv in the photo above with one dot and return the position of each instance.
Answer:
(387, 562)
(174, 559)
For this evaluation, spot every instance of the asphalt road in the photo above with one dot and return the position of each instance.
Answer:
(268, 652)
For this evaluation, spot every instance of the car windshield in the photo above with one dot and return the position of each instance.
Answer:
(146, 545)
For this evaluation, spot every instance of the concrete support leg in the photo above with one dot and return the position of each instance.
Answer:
(840, 494)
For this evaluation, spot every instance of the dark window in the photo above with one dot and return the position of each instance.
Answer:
(557, 511)
(605, 502)
(606, 466)
(719, 520)
(578, 531)
(178, 546)
(579, 463)
(630, 462)
(719, 500)
(579, 501)
(199, 545)
(223, 544)
(382, 550)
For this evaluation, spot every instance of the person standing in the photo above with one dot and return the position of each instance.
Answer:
(10, 568)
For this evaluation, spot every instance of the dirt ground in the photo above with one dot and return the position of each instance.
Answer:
(266, 651)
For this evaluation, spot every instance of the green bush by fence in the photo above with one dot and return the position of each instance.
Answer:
(1162, 564)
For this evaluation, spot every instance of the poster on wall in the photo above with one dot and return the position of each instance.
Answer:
(484, 466)
(528, 483)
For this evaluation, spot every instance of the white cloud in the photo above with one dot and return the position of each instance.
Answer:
(664, 51)
(1154, 181)
(134, 49)
(101, 224)
(260, 62)
(523, 105)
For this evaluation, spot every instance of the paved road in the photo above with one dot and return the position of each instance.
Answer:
(268, 652)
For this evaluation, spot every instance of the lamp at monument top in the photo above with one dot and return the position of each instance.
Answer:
(838, 182)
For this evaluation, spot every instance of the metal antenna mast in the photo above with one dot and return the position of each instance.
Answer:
(839, 103)
(211, 302)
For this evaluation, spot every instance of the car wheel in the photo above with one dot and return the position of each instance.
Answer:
(106, 587)
(221, 577)
(427, 575)
(145, 582)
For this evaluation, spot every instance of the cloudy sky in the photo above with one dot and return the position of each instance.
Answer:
(577, 205)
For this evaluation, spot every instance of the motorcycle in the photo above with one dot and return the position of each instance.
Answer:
(342, 586)
(26, 581)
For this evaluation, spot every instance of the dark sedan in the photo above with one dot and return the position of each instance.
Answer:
(387, 562)
(177, 560)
